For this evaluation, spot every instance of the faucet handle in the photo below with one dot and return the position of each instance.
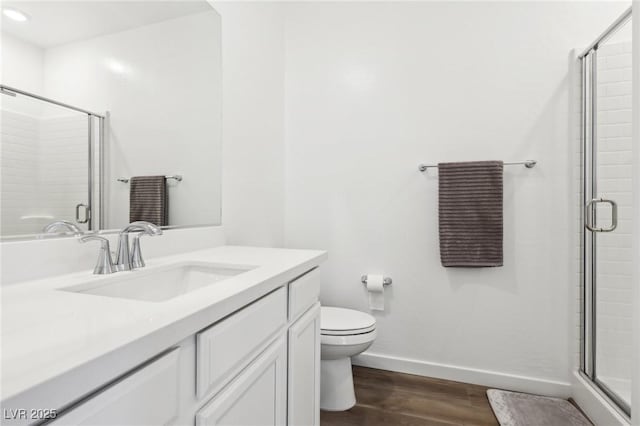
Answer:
(104, 265)
(142, 225)
(136, 252)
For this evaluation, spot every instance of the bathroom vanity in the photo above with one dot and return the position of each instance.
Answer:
(228, 335)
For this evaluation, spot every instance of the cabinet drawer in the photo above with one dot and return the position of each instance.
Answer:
(148, 396)
(303, 293)
(229, 345)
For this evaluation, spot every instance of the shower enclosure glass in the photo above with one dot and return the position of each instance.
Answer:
(49, 163)
(606, 213)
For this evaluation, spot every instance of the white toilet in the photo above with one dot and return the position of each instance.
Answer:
(344, 333)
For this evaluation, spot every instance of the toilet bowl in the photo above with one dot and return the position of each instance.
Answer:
(344, 333)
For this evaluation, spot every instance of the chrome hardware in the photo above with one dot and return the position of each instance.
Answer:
(7, 92)
(86, 213)
(136, 252)
(125, 260)
(385, 280)
(529, 164)
(588, 215)
(12, 91)
(104, 265)
(65, 224)
(617, 24)
(177, 178)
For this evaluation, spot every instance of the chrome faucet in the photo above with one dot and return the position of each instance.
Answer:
(104, 265)
(70, 227)
(127, 260)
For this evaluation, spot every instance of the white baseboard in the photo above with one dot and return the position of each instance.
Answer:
(464, 374)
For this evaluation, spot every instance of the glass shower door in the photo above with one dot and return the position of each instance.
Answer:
(607, 220)
(45, 164)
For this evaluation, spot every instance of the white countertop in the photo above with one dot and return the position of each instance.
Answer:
(49, 336)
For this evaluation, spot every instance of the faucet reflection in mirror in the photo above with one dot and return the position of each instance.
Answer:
(55, 227)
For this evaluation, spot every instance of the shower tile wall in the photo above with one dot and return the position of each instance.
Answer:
(44, 170)
(614, 314)
(63, 165)
(18, 159)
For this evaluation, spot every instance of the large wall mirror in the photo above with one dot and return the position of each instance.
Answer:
(110, 113)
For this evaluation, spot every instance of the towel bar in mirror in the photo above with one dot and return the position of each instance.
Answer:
(177, 178)
(529, 164)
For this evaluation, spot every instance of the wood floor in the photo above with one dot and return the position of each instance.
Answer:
(396, 399)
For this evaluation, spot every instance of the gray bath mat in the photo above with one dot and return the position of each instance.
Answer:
(522, 409)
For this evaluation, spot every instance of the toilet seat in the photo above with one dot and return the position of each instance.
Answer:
(348, 340)
(345, 322)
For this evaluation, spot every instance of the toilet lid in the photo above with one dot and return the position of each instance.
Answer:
(341, 322)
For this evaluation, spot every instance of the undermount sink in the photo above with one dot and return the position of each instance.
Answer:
(160, 283)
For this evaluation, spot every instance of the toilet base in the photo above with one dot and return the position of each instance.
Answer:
(336, 385)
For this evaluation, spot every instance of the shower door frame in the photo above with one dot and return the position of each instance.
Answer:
(588, 135)
(90, 217)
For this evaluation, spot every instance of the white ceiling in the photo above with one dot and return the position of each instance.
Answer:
(53, 23)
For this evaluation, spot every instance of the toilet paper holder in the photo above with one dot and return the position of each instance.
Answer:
(385, 280)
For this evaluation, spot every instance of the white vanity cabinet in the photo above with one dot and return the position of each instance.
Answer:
(257, 366)
(281, 386)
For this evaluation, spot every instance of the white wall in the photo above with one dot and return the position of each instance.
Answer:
(22, 64)
(22, 68)
(253, 122)
(160, 83)
(372, 90)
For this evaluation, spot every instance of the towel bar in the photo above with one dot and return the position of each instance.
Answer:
(174, 177)
(529, 164)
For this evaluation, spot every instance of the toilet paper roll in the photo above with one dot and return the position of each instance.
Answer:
(375, 287)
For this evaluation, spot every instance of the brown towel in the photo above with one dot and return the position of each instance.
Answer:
(470, 213)
(148, 200)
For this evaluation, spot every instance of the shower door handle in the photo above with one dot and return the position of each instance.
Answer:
(588, 215)
(86, 213)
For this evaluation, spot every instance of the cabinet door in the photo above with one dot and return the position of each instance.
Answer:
(148, 396)
(304, 370)
(256, 397)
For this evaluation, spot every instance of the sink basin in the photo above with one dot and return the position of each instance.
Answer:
(161, 283)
